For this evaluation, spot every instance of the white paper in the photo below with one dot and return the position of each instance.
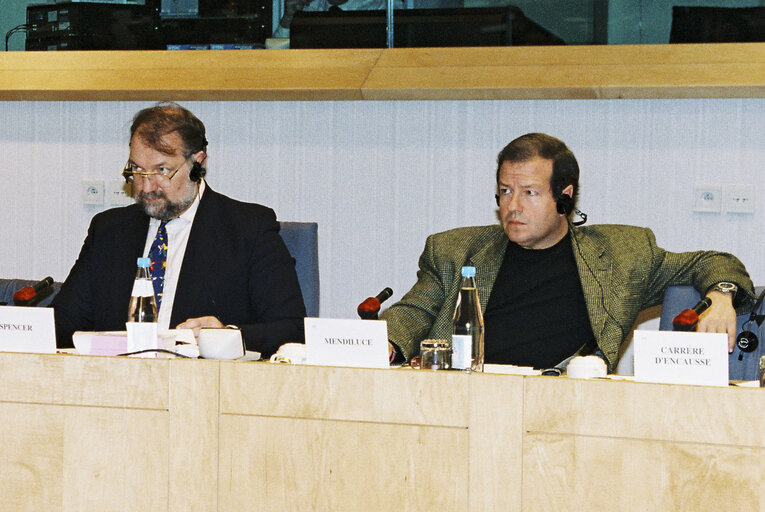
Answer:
(27, 329)
(338, 342)
(699, 358)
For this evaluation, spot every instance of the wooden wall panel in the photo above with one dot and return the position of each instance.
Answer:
(115, 459)
(559, 72)
(193, 441)
(285, 464)
(575, 473)
(496, 442)
(396, 396)
(649, 411)
(65, 379)
(31, 457)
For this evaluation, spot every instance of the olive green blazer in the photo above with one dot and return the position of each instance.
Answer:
(621, 269)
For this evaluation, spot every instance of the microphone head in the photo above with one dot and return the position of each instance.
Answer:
(25, 294)
(689, 318)
(369, 308)
(685, 321)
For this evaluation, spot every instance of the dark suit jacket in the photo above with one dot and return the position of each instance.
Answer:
(621, 269)
(236, 268)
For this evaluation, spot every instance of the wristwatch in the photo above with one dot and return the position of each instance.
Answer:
(724, 287)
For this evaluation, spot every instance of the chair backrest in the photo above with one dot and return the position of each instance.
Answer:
(741, 365)
(10, 286)
(302, 240)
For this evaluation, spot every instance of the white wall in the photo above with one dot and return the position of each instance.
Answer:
(379, 176)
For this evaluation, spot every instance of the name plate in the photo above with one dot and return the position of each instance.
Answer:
(25, 329)
(699, 358)
(337, 342)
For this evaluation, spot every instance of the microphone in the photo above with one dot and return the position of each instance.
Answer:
(689, 318)
(31, 295)
(368, 309)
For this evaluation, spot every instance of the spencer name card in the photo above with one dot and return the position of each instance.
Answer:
(25, 329)
(338, 342)
(699, 358)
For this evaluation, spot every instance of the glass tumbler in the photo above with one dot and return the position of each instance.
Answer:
(435, 354)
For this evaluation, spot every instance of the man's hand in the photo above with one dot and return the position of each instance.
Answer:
(720, 317)
(200, 322)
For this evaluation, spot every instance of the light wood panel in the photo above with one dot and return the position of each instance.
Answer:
(75, 380)
(576, 72)
(209, 435)
(404, 396)
(185, 75)
(646, 411)
(284, 464)
(574, 473)
(72, 458)
(193, 440)
(496, 441)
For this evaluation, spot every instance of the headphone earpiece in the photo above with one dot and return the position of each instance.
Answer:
(197, 172)
(747, 341)
(564, 204)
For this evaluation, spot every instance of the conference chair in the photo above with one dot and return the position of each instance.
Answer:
(302, 240)
(741, 365)
(10, 286)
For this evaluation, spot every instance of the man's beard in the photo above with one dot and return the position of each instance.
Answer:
(164, 210)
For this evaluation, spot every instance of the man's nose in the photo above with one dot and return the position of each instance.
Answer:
(514, 204)
(147, 183)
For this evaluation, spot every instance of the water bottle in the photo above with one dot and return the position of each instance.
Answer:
(467, 338)
(142, 314)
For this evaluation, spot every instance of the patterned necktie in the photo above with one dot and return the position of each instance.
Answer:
(158, 256)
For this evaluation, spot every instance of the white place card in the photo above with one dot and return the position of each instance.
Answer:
(337, 342)
(699, 358)
(25, 329)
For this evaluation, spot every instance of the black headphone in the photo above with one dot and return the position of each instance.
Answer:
(197, 172)
(564, 204)
(747, 340)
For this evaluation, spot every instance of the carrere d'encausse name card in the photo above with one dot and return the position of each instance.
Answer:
(699, 358)
(338, 342)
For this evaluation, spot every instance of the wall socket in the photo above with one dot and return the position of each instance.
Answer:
(92, 192)
(739, 199)
(119, 193)
(707, 198)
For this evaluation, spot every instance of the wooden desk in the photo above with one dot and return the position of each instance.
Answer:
(94, 433)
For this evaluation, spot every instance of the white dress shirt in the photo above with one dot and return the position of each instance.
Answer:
(178, 230)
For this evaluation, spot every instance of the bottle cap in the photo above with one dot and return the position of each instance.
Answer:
(468, 271)
(144, 262)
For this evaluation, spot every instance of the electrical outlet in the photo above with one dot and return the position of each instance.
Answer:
(707, 198)
(739, 199)
(119, 193)
(92, 192)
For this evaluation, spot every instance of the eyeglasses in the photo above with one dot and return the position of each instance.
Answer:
(165, 174)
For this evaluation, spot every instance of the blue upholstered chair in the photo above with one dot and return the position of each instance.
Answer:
(302, 240)
(10, 286)
(678, 298)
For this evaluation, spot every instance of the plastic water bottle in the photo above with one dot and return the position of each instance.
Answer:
(142, 314)
(467, 340)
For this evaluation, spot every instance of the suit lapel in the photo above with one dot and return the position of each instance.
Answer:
(199, 258)
(487, 262)
(594, 267)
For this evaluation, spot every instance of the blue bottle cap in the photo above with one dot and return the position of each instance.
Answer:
(468, 271)
(144, 262)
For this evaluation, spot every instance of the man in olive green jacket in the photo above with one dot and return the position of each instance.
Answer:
(621, 270)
